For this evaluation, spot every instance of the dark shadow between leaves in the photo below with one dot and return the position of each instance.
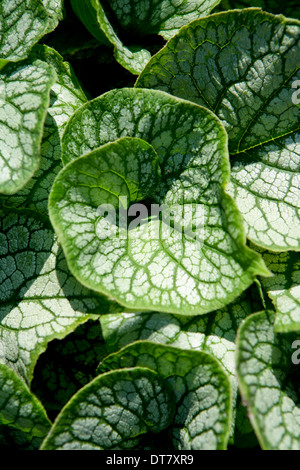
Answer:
(67, 365)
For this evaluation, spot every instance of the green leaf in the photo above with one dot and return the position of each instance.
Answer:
(128, 167)
(54, 10)
(214, 334)
(158, 16)
(22, 24)
(66, 96)
(269, 382)
(19, 408)
(290, 8)
(190, 269)
(201, 387)
(137, 19)
(284, 288)
(113, 412)
(243, 66)
(40, 300)
(93, 16)
(24, 99)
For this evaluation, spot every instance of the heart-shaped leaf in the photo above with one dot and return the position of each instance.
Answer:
(113, 412)
(214, 333)
(190, 263)
(201, 387)
(244, 66)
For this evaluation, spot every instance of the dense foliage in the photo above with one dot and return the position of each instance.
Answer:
(150, 224)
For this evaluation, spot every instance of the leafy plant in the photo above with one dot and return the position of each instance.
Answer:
(150, 230)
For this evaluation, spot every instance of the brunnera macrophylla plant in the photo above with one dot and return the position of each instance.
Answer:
(179, 158)
(149, 243)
